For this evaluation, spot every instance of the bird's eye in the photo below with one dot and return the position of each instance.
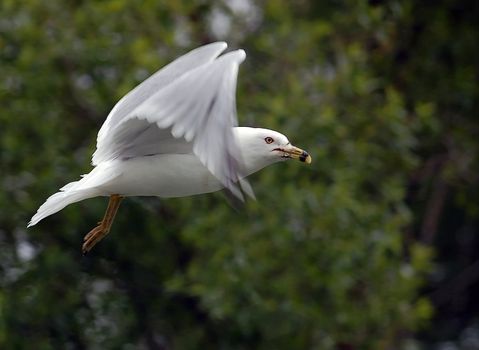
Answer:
(268, 140)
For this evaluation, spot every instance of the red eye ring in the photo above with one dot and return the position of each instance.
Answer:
(268, 140)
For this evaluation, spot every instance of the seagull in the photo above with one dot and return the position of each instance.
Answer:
(175, 135)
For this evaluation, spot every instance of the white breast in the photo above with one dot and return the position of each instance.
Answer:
(165, 175)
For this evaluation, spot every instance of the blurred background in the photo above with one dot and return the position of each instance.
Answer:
(373, 246)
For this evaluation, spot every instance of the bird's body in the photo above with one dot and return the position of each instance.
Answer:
(175, 135)
(162, 175)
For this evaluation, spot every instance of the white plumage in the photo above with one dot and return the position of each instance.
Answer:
(176, 135)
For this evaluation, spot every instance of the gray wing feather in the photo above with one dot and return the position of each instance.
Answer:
(194, 113)
(147, 88)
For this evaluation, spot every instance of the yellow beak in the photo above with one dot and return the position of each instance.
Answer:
(297, 153)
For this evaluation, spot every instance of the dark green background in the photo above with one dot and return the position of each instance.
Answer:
(373, 246)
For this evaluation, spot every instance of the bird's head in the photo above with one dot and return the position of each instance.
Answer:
(262, 147)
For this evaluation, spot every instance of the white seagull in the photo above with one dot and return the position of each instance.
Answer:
(175, 135)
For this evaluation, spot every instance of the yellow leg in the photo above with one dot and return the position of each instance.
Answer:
(100, 231)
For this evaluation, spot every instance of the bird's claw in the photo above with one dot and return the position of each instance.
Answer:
(93, 237)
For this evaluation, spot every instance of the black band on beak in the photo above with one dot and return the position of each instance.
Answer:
(303, 156)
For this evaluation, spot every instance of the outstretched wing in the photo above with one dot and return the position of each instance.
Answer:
(187, 107)
(147, 88)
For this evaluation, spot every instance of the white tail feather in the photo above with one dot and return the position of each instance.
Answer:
(87, 187)
(60, 200)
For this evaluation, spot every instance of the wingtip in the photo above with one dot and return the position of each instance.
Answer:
(242, 54)
(237, 55)
(246, 188)
(223, 44)
(218, 45)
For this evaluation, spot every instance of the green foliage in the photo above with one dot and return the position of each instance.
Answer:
(329, 255)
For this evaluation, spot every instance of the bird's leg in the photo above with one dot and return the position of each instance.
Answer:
(100, 231)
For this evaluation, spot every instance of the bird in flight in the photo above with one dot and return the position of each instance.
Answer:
(175, 135)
